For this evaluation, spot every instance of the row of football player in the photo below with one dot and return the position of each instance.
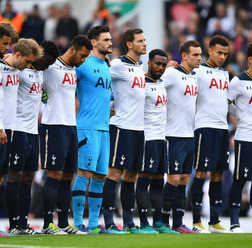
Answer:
(126, 137)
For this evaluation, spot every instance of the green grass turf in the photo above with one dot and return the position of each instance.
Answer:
(132, 241)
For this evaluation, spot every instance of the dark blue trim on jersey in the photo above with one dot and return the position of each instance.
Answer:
(183, 70)
(245, 76)
(129, 60)
(62, 61)
(2, 61)
(150, 80)
(206, 64)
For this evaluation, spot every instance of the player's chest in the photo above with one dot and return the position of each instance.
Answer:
(133, 77)
(10, 80)
(155, 95)
(215, 80)
(187, 85)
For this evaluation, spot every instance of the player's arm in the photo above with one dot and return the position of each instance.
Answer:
(233, 93)
(172, 63)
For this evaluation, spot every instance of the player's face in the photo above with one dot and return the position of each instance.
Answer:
(217, 55)
(79, 56)
(4, 44)
(193, 58)
(104, 44)
(138, 44)
(157, 66)
(23, 62)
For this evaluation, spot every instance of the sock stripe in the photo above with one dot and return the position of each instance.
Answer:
(78, 192)
(94, 195)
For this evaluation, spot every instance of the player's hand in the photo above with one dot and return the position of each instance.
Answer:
(172, 63)
(112, 112)
(108, 61)
(3, 137)
(44, 97)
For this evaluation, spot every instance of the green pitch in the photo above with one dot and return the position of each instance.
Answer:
(132, 241)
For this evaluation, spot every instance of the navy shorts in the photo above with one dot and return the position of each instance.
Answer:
(155, 157)
(243, 161)
(59, 147)
(126, 148)
(211, 149)
(5, 154)
(180, 155)
(24, 151)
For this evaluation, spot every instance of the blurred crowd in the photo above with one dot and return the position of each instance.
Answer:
(184, 20)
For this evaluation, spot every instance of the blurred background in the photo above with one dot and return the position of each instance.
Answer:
(166, 24)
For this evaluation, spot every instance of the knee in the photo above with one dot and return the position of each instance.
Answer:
(114, 174)
(201, 175)
(27, 177)
(184, 179)
(15, 176)
(173, 180)
(129, 176)
(216, 176)
(55, 174)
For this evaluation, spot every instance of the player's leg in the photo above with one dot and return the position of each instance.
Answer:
(114, 174)
(19, 150)
(53, 154)
(235, 198)
(201, 164)
(31, 166)
(241, 174)
(221, 152)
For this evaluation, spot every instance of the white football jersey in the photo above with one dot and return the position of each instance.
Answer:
(10, 87)
(181, 88)
(1, 102)
(60, 84)
(154, 109)
(212, 104)
(128, 86)
(28, 100)
(240, 91)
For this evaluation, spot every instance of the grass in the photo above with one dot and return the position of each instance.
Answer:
(132, 241)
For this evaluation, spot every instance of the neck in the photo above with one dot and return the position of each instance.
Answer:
(133, 55)
(188, 68)
(10, 60)
(67, 57)
(148, 74)
(209, 61)
(250, 69)
(98, 55)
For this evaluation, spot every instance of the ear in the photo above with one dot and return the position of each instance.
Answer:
(129, 44)
(17, 55)
(72, 49)
(94, 42)
(209, 51)
(183, 56)
(250, 60)
(149, 63)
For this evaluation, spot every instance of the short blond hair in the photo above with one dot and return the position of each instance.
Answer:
(27, 47)
(13, 33)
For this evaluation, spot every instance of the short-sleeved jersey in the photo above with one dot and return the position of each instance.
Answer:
(154, 109)
(181, 88)
(60, 84)
(128, 86)
(28, 100)
(240, 91)
(1, 102)
(10, 87)
(93, 91)
(212, 104)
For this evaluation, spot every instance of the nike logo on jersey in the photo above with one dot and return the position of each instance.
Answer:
(138, 83)
(161, 100)
(12, 79)
(218, 85)
(70, 79)
(191, 90)
(104, 85)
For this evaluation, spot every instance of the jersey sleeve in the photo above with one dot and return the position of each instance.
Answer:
(168, 78)
(233, 89)
(1, 103)
(115, 68)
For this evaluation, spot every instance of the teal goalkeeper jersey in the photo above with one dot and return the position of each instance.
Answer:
(93, 91)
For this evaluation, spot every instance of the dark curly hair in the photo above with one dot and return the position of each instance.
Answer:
(50, 48)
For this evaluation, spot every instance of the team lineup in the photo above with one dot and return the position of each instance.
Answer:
(150, 131)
